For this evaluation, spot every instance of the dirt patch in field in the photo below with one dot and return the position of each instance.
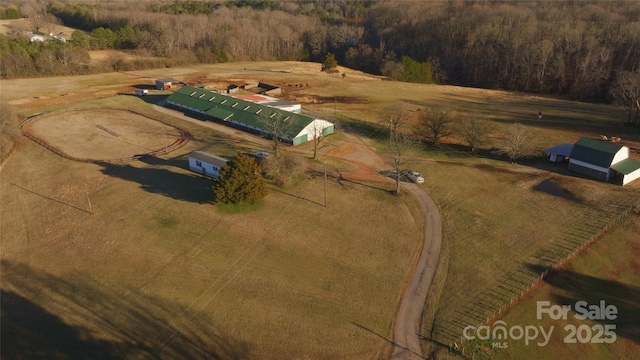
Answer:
(102, 134)
(366, 163)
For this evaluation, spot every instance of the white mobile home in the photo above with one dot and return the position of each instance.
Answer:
(206, 164)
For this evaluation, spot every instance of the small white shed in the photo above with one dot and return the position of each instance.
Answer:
(206, 164)
(36, 37)
(141, 92)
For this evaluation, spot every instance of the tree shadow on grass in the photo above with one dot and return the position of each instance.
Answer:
(156, 180)
(31, 332)
(580, 287)
(35, 304)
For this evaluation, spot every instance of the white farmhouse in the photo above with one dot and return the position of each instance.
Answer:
(206, 164)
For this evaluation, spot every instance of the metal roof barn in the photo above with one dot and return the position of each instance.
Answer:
(247, 115)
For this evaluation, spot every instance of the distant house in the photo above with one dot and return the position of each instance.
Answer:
(166, 84)
(36, 37)
(603, 161)
(206, 164)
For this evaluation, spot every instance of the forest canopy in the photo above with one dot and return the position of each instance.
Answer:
(571, 48)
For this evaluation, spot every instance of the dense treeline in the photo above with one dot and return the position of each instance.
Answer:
(577, 49)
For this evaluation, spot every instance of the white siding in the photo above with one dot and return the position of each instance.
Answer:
(631, 177)
(620, 155)
(204, 168)
(315, 126)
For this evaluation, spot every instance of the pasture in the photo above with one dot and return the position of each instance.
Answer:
(152, 269)
(607, 271)
(291, 278)
(102, 134)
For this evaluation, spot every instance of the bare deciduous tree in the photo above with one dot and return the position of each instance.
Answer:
(275, 126)
(473, 130)
(317, 131)
(519, 142)
(400, 143)
(435, 123)
(627, 90)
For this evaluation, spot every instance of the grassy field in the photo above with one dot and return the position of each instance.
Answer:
(157, 271)
(609, 270)
(290, 278)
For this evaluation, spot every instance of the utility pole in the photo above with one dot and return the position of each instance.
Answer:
(165, 139)
(88, 200)
(325, 184)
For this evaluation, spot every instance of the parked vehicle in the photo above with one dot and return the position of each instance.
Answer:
(415, 177)
(261, 154)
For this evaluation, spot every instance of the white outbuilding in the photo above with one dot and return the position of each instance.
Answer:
(604, 161)
(206, 164)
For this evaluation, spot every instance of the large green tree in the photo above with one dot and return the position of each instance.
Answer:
(329, 63)
(240, 182)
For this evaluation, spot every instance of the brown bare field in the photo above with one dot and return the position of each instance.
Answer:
(165, 245)
(102, 134)
(135, 261)
(9, 26)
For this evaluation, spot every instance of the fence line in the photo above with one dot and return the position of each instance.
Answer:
(178, 143)
(455, 340)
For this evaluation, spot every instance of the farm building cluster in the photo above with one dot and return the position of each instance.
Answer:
(253, 117)
(601, 160)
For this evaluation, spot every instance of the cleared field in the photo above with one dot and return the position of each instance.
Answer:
(306, 287)
(102, 134)
(608, 271)
(157, 271)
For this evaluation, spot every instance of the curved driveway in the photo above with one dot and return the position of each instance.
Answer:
(406, 330)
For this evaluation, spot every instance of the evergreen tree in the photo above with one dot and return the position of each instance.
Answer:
(240, 181)
(329, 63)
(416, 72)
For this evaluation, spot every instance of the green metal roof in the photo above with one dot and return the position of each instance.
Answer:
(228, 108)
(626, 166)
(594, 152)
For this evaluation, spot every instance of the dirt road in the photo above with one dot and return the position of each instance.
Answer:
(407, 325)
(368, 165)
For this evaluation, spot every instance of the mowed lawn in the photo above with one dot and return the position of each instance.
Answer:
(135, 261)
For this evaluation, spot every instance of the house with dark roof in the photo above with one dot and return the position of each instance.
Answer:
(603, 161)
(248, 116)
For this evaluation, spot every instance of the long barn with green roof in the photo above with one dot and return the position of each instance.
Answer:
(248, 116)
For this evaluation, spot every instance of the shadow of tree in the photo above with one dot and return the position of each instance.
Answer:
(580, 287)
(136, 325)
(31, 332)
(187, 187)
